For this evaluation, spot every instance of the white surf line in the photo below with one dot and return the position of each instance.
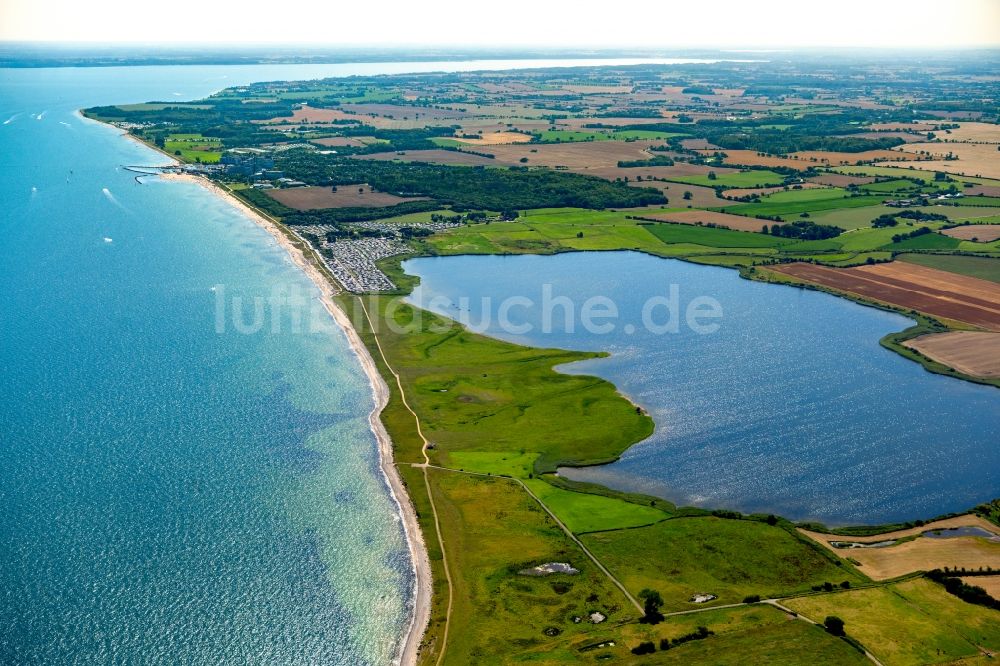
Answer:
(11, 119)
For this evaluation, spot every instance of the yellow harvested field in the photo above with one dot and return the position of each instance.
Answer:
(989, 583)
(826, 157)
(921, 553)
(598, 90)
(924, 554)
(975, 132)
(497, 138)
(975, 353)
(806, 159)
(984, 233)
(974, 159)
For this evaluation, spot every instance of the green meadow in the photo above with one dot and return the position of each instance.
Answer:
(741, 179)
(915, 622)
(731, 559)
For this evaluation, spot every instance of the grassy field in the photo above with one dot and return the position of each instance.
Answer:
(475, 393)
(752, 634)
(915, 622)
(978, 267)
(590, 513)
(789, 643)
(728, 558)
(794, 207)
(194, 148)
(752, 178)
(493, 529)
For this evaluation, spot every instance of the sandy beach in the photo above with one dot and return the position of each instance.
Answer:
(409, 648)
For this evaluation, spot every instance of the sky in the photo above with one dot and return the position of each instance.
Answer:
(663, 24)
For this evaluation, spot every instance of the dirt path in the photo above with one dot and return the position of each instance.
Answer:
(427, 483)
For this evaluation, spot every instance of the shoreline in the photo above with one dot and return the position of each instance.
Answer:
(420, 613)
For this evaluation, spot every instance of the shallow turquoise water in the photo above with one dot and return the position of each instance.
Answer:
(168, 493)
(790, 407)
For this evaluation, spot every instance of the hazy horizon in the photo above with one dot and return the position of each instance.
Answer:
(727, 24)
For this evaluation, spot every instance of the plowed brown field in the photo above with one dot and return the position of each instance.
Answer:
(934, 292)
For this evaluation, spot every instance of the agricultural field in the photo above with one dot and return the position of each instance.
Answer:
(495, 606)
(911, 287)
(358, 195)
(983, 268)
(576, 156)
(753, 178)
(915, 622)
(731, 559)
(908, 551)
(983, 233)
(737, 222)
(975, 353)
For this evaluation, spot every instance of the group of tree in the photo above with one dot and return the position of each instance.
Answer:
(804, 229)
(972, 594)
(470, 188)
(916, 233)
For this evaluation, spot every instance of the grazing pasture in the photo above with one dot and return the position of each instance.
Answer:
(908, 286)
(840, 179)
(984, 268)
(796, 202)
(728, 558)
(764, 191)
(346, 196)
(194, 148)
(975, 353)
(908, 624)
(493, 530)
(733, 178)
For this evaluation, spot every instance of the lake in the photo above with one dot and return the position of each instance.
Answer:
(784, 403)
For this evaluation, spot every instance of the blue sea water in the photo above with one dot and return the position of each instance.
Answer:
(791, 406)
(170, 493)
